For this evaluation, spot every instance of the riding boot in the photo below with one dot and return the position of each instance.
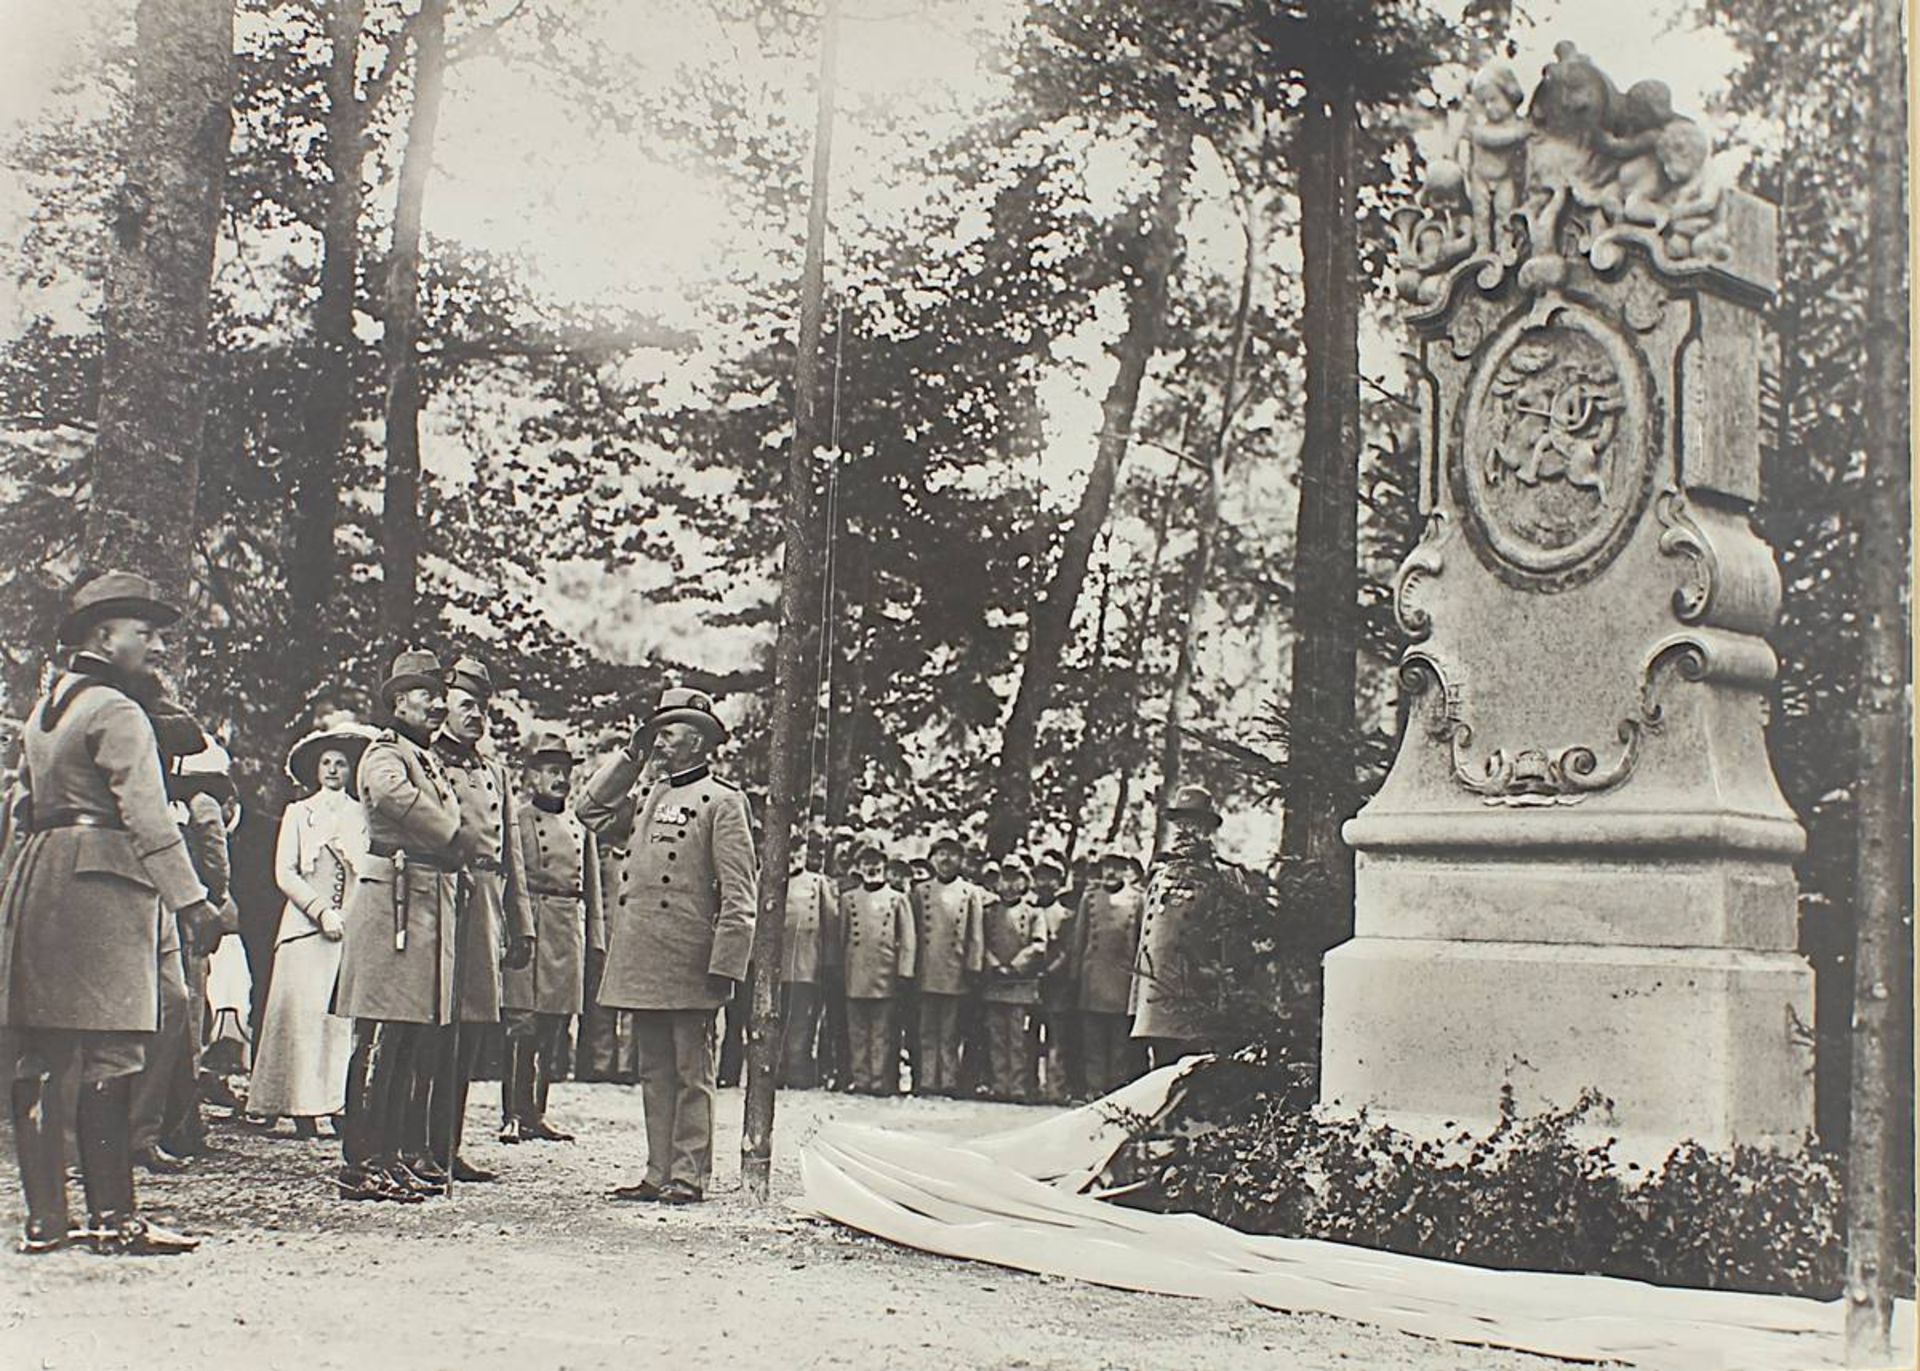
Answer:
(40, 1143)
(106, 1148)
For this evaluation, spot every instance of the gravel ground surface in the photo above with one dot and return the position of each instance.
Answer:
(537, 1271)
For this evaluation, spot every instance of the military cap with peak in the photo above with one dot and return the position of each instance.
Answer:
(471, 675)
(114, 595)
(550, 745)
(412, 670)
(681, 705)
(1192, 801)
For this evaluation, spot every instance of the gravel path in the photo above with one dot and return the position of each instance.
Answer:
(537, 1272)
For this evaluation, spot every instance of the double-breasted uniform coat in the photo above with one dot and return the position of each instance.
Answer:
(411, 808)
(497, 905)
(1169, 988)
(92, 891)
(948, 923)
(1015, 952)
(880, 962)
(681, 907)
(680, 913)
(562, 873)
(811, 953)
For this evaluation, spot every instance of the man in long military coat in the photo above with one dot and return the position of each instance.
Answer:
(680, 917)
(563, 884)
(1057, 1042)
(102, 868)
(1177, 983)
(494, 922)
(1108, 940)
(812, 953)
(947, 912)
(880, 943)
(1015, 939)
(396, 959)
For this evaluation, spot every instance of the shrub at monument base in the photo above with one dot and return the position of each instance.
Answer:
(1533, 1194)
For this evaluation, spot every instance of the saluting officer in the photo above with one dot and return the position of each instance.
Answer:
(563, 882)
(102, 867)
(495, 917)
(679, 928)
(396, 958)
(948, 913)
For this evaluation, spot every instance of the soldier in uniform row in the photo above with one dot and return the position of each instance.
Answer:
(880, 943)
(1016, 950)
(948, 913)
(562, 866)
(1107, 941)
(813, 954)
(396, 965)
(102, 870)
(680, 917)
(494, 918)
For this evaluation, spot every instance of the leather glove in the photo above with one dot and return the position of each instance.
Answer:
(200, 927)
(332, 926)
(723, 986)
(519, 953)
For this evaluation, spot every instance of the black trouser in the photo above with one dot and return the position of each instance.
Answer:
(534, 1044)
(81, 1079)
(380, 1081)
(443, 1072)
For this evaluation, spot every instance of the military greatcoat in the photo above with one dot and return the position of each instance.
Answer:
(949, 930)
(1174, 984)
(563, 884)
(411, 808)
(497, 905)
(680, 898)
(103, 867)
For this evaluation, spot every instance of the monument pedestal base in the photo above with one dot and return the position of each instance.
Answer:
(1708, 1044)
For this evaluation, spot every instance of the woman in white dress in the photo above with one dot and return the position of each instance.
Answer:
(300, 1065)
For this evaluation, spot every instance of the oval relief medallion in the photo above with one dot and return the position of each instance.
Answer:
(1552, 459)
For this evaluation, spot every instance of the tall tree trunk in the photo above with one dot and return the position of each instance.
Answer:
(329, 400)
(1206, 529)
(152, 420)
(1326, 535)
(1053, 618)
(400, 513)
(1137, 637)
(1883, 880)
(793, 674)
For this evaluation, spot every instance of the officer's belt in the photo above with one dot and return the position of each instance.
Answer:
(431, 861)
(73, 818)
(568, 892)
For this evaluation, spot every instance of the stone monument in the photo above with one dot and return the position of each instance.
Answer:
(1578, 872)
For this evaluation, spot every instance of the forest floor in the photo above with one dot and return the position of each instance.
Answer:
(538, 1271)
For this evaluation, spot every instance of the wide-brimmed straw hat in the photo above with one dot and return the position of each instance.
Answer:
(303, 758)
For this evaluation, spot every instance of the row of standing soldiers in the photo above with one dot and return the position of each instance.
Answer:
(999, 982)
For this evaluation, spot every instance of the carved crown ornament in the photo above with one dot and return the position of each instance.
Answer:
(1578, 169)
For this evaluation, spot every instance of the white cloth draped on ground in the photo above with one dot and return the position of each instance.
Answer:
(1014, 1200)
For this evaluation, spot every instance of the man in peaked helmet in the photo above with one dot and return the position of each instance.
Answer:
(680, 914)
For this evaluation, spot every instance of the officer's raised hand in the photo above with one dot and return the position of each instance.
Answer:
(519, 953)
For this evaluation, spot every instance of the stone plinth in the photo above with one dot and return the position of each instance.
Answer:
(1579, 871)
